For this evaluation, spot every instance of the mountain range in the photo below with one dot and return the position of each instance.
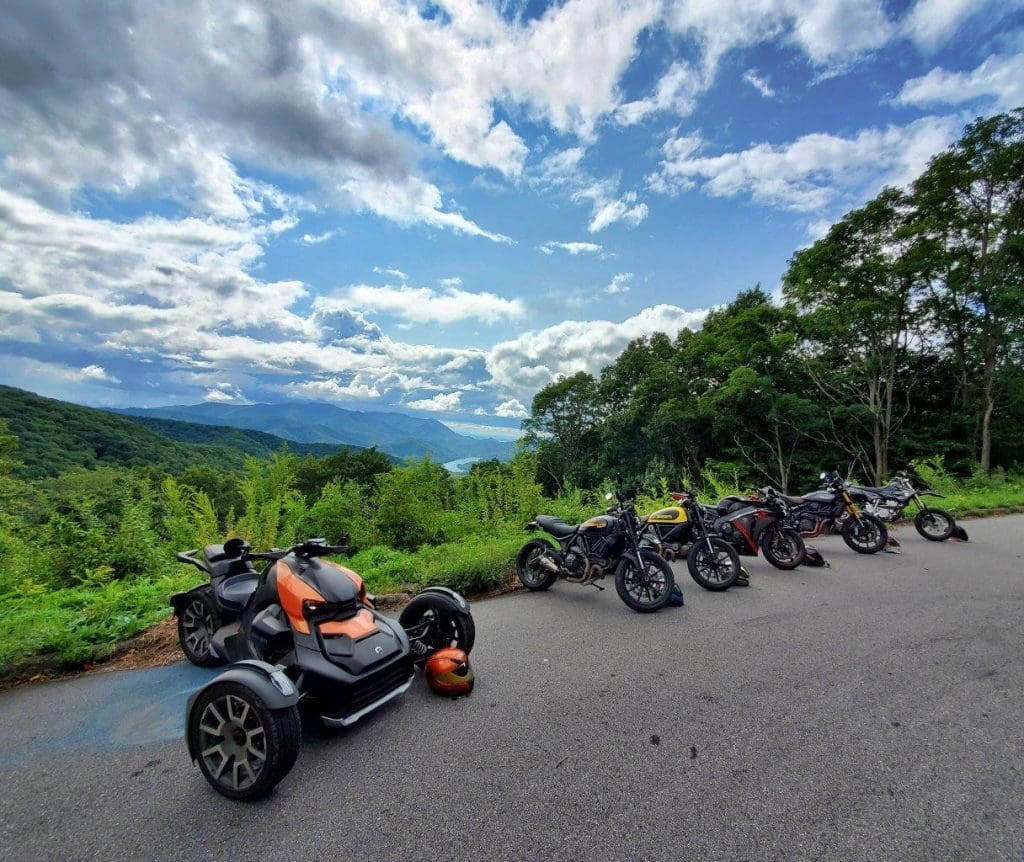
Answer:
(396, 434)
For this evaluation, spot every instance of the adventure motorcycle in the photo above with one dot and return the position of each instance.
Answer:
(934, 524)
(837, 507)
(587, 552)
(749, 525)
(304, 629)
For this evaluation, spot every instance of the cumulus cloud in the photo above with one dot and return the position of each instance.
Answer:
(573, 248)
(394, 273)
(440, 403)
(317, 238)
(426, 305)
(511, 409)
(619, 283)
(676, 91)
(999, 78)
(809, 173)
(533, 360)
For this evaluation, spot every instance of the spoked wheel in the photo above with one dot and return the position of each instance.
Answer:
(197, 622)
(866, 535)
(433, 621)
(645, 588)
(715, 568)
(243, 748)
(532, 574)
(784, 549)
(936, 525)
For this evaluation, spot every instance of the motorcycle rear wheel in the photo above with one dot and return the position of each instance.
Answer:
(936, 525)
(784, 549)
(648, 589)
(715, 569)
(197, 622)
(865, 536)
(531, 574)
(434, 621)
(243, 747)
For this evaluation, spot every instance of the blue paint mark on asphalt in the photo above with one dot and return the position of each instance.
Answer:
(102, 711)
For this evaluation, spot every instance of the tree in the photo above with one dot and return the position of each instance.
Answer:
(563, 418)
(859, 287)
(970, 205)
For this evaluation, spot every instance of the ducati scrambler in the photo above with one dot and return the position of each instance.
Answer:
(749, 526)
(600, 545)
(837, 507)
(934, 524)
(304, 629)
(712, 561)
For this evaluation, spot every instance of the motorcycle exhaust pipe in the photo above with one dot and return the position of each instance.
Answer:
(547, 563)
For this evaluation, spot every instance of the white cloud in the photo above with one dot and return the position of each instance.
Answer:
(573, 248)
(226, 393)
(676, 91)
(619, 283)
(534, 359)
(759, 83)
(511, 409)
(452, 282)
(426, 305)
(809, 173)
(317, 238)
(396, 273)
(440, 403)
(931, 23)
(999, 78)
(609, 209)
(96, 374)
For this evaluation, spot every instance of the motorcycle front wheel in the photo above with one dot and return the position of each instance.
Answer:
(715, 568)
(243, 747)
(531, 573)
(866, 535)
(936, 525)
(645, 588)
(784, 549)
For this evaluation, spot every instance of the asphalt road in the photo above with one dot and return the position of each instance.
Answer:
(871, 711)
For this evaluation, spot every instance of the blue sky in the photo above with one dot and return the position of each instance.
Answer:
(439, 208)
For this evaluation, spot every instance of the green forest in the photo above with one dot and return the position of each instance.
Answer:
(898, 342)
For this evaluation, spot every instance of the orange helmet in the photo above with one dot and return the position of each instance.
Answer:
(448, 672)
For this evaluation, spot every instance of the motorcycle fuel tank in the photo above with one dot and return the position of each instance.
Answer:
(597, 523)
(670, 515)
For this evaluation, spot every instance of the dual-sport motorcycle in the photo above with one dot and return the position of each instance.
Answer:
(749, 525)
(836, 508)
(303, 630)
(600, 545)
(934, 524)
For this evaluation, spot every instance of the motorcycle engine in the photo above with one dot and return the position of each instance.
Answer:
(573, 563)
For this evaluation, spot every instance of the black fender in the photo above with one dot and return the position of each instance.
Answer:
(444, 591)
(532, 527)
(268, 682)
(179, 600)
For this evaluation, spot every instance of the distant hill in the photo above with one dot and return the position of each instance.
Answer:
(54, 436)
(397, 434)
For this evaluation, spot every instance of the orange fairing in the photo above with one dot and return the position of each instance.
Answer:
(356, 627)
(293, 591)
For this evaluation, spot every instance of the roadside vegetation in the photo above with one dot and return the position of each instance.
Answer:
(899, 343)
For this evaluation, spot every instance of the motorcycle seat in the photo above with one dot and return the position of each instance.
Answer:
(237, 589)
(796, 501)
(556, 527)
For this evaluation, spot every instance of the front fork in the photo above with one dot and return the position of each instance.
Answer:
(851, 507)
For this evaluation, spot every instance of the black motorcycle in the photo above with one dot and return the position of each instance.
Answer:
(934, 524)
(837, 507)
(600, 545)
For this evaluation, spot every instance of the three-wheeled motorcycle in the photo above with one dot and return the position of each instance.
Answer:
(303, 630)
